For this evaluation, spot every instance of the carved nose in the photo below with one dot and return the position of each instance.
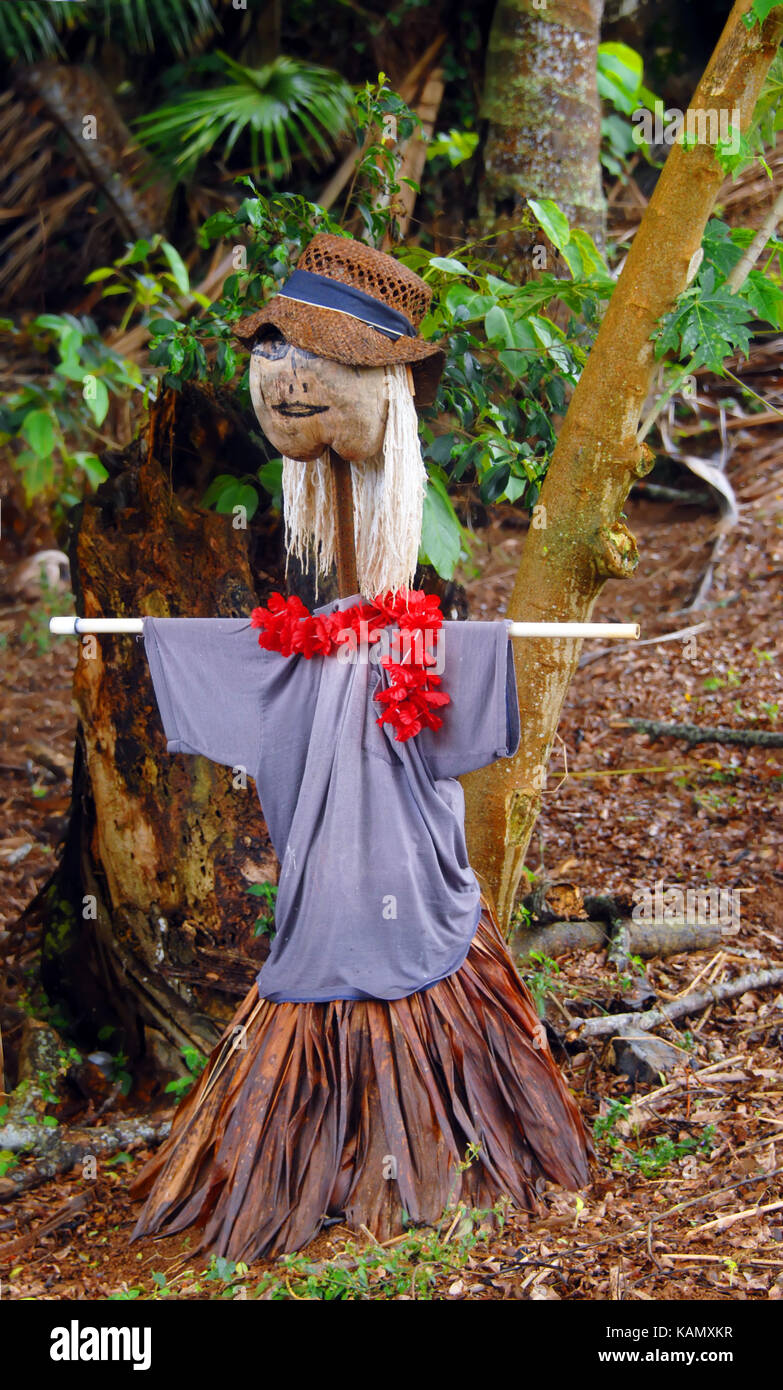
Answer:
(286, 391)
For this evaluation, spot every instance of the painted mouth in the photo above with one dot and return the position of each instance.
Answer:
(296, 409)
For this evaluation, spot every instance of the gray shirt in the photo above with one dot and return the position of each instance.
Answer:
(376, 898)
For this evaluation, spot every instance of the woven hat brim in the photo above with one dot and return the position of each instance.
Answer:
(344, 339)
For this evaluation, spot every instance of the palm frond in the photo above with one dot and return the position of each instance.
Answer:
(142, 23)
(29, 31)
(285, 104)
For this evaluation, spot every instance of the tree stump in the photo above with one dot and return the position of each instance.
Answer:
(147, 924)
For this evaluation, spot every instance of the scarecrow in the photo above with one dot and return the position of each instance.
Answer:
(388, 1061)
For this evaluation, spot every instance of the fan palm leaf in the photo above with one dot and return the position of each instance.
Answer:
(285, 106)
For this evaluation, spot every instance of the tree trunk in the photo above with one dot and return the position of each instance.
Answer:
(147, 923)
(583, 542)
(541, 100)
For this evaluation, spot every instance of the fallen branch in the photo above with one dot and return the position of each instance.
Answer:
(665, 938)
(658, 493)
(694, 1078)
(679, 1008)
(721, 1222)
(733, 422)
(59, 1150)
(694, 733)
(717, 1259)
(61, 1217)
(680, 635)
(745, 264)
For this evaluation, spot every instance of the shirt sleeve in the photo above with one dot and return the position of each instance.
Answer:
(481, 722)
(208, 676)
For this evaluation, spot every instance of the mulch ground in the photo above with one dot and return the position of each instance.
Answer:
(687, 1201)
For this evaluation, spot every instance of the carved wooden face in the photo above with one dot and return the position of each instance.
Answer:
(304, 402)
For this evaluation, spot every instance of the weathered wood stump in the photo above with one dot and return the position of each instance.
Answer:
(148, 924)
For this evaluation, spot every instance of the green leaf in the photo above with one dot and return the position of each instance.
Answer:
(216, 487)
(764, 297)
(216, 228)
(493, 484)
(706, 325)
(37, 473)
(515, 487)
(551, 220)
(497, 324)
(441, 449)
(97, 398)
(38, 430)
(523, 337)
(138, 252)
(103, 273)
(243, 495)
(54, 322)
(263, 890)
(544, 331)
(270, 477)
(441, 533)
(592, 261)
(462, 296)
(573, 259)
(619, 75)
(118, 1158)
(759, 11)
(449, 265)
(177, 267)
(226, 361)
(96, 473)
(456, 146)
(719, 246)
(235, 493)
(515, 362)
(70, 343)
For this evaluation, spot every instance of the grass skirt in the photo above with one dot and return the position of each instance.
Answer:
(364, 1109)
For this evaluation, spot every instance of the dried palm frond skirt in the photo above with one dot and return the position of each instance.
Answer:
(364, 1110)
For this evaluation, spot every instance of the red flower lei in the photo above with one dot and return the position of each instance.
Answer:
(412, 697)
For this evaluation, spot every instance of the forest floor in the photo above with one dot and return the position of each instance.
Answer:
(687, 1201)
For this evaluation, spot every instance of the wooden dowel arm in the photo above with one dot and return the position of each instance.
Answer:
(70, 626)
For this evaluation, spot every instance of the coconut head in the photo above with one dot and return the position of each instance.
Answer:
(305, 403)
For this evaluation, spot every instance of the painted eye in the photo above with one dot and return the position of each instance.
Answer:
(270, 344)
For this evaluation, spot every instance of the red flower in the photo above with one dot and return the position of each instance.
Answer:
(411, 698)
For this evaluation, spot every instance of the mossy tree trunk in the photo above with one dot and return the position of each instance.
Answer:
(541, 101)
(148, 924)
(566, 563)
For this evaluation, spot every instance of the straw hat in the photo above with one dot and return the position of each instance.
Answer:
(354, 305)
